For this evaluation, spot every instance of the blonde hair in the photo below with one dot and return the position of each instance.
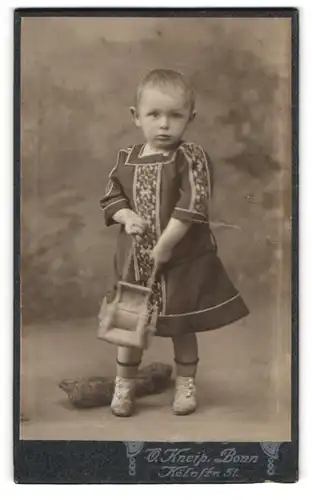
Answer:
(166, 78)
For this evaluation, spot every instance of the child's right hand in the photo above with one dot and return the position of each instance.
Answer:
(134, 224)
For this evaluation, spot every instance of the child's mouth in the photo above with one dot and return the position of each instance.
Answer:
(163, 137)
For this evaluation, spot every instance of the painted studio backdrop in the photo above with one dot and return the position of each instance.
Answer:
(79, 77)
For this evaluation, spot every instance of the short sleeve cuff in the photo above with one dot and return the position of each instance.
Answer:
(112, 208)
(186, 215)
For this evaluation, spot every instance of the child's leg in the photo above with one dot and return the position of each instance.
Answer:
(186, 359)
(128, 361)
(186, 354)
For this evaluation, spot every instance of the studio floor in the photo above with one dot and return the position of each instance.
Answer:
(243, 387)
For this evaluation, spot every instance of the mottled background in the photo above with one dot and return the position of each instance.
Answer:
(78, 80)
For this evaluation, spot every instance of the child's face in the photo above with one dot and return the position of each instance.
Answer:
(163, 115)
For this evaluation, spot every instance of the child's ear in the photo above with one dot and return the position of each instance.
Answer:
(135, 116)
(193, 115)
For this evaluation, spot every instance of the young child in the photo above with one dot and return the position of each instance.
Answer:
(159, 193)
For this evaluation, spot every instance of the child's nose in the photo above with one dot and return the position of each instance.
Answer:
(164, 122)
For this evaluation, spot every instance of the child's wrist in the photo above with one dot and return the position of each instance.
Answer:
(123, 215)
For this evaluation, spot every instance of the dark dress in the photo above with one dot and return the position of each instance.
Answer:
(193, 291)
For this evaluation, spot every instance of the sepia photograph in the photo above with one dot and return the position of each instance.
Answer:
(155, 228)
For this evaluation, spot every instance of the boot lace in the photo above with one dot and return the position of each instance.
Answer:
(185, 387)
(122, 388)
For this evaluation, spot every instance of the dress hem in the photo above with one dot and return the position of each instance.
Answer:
(207, 320)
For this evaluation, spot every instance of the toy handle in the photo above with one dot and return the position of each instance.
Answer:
(152, 278)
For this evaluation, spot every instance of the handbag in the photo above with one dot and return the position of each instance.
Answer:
(128, 320)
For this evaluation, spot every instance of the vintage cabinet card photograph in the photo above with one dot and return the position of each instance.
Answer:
(156, 252)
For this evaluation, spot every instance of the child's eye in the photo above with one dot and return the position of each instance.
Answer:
(154, 114)
(177, 115)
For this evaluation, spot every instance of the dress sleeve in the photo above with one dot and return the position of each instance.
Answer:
(196, 184)
(114, 198)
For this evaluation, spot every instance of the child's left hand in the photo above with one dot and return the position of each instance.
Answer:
(161, 254)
